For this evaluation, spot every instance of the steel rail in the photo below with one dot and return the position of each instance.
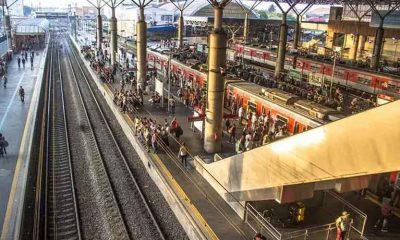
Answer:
(139, 189)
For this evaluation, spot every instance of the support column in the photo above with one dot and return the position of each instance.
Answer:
(354, 47)
(141, 51)
(215, 85)
(8, 29)
(113, 37)
(99, 28)
(246, 27)
(363, 40)
(296, 39)
(280, 61)
(180, 30)
(376, 54)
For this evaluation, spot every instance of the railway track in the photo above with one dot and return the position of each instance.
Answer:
(134, 208)
(62, 219)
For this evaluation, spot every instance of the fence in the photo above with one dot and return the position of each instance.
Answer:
(322, 232)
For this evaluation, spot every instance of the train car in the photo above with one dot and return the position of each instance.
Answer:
(362, 80)
(299, 115)
(285, 108)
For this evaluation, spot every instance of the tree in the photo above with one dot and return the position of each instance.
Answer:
(263, 14)
(272, 8)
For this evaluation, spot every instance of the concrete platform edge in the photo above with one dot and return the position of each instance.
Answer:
(188, 223)
(13, 217)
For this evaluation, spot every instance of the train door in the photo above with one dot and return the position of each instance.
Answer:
(296, 128)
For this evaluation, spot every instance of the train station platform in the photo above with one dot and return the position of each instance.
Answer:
(16, 125)
(202, 202)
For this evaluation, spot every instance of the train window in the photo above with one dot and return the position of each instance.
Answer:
(339, 74)
(315, 68)
(364, 80)
(251, 107)
(280, 121)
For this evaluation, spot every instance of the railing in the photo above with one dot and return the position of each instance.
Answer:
(259, 224)
(358, 216)
(323, 232)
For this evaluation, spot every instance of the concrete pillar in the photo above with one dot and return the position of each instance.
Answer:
(296, 39)
(363, 40)
(354, 47)
(141, 50)
(181, 30)
(215, 86)
(376, 54)
(113, 37)
(246, 27)
(218, 18)
(8, 29)
(280, 61)
(99, 28)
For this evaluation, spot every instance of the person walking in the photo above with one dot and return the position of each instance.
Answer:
(5, 81)
(23, 63)
(31, 62)
(19, 62)
(343, 224)
(3, 145)
(183, 154)
(22, 93)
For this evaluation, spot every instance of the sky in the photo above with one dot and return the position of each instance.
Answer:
(64, 3)
(55, 3)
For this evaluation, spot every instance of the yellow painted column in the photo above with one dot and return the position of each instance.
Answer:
(180, 30)
(99, 27)
(141, 50)
(280, 61)
(215, 86)
(114, 37)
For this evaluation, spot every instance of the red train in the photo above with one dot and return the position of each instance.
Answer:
(299, 115)
(316, 71)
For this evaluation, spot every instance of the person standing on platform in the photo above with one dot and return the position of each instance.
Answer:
(343, 225)
(23, 63)
(183, 154)
(386, 213)
(3, 145)
(31, 62)
(26, 55)
(5, 81)
(19, 62)
(22, 93)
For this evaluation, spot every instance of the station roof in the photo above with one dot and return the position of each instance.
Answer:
(341, 155)
(32, 26)
(203, 8)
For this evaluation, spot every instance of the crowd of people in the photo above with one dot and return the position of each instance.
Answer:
(305, 90)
